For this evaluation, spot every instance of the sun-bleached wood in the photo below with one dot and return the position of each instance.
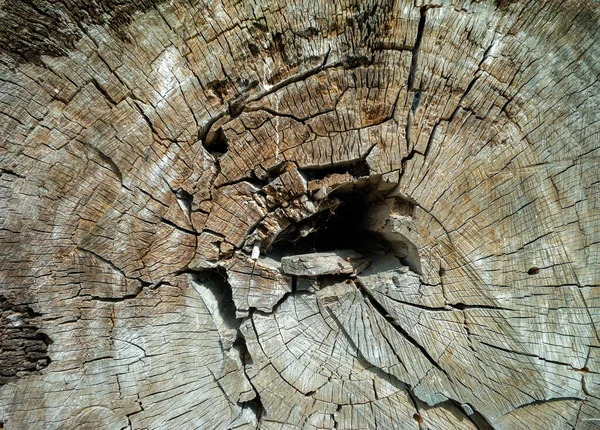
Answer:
(179, 181)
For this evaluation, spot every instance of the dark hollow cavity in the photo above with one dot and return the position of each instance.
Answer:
(349, 226)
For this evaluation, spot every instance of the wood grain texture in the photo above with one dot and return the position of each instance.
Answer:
(184, 184)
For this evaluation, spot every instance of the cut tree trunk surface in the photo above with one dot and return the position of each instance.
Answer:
(299, 214)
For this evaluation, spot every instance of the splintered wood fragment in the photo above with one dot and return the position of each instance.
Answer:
(343, 262)
(255, 283)
(290, 184)
(255, 250)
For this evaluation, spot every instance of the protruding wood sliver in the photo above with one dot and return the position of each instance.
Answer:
(343, 262)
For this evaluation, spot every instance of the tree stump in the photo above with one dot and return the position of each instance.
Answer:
(299, 214)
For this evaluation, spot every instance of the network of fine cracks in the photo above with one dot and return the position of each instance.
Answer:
(303, 214)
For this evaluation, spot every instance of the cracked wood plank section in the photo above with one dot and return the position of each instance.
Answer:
(181, 183)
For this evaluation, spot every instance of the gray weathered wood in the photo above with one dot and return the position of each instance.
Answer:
(177, 180)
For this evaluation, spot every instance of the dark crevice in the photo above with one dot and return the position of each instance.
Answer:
(411, 154)
(185, 199)
(253, 180)
(359, 168)
(218, 88)
(10, 172)
(215, 280)
(104, 260)
(275, 306)
(256, 404)
(129, 415)
(415, 103)
(335, 423)
(275, 113)
(177, 227)
(524, 354)
(480, 421)
(116, 299)
(473, 416)
(106, 159)
(103, 91)
(355, 61)
(450, 307)
(368, 366)
(430, 139)
(138, 105)
(415, 51)
(381, 310)
(413, 399)
(276, 86)
(278, 45)
(543, 402)
(465, 306)
(138, 290)
(236, 106)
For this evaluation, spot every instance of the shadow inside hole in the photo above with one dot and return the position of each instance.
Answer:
(357, 169)
(216, 142)
(347, 226)
(184, 199)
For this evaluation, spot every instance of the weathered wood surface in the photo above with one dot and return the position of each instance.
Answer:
(150, 150)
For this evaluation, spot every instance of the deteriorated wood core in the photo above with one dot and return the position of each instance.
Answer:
(299, 214)
(22, 347)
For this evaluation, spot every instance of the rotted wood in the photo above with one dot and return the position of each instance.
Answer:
(300, 214)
